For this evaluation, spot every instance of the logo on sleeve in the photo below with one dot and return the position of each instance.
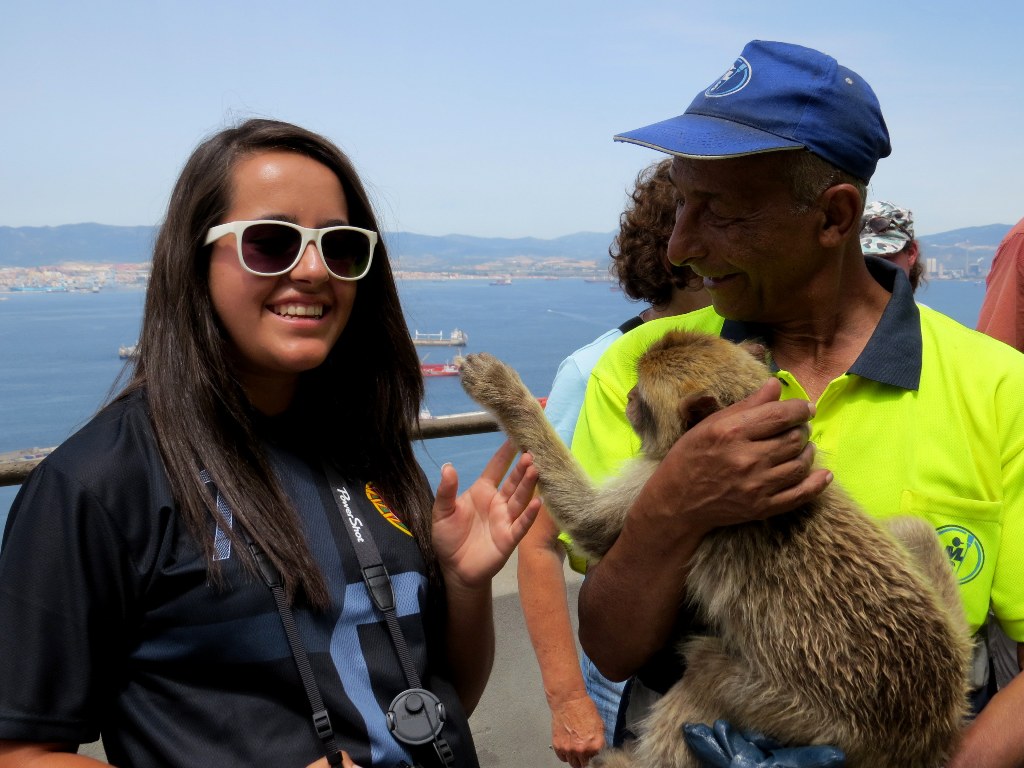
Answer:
(378, 501)
(965, 552)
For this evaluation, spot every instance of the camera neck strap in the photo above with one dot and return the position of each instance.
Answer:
(272, 578)
(416, 715)
(378, 583)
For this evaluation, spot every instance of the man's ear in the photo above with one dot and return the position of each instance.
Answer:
(912, 252)
(842, 205)
(696, 408)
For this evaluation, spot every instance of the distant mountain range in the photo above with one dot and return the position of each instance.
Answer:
(102, 243)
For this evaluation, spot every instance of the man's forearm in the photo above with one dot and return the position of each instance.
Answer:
(629, 602)
(996, 738)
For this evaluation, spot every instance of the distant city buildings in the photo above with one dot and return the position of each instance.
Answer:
(961, 262)
(74, 276)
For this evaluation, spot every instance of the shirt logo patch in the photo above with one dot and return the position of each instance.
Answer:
(377, 500)
(965, 552)
(735, 79)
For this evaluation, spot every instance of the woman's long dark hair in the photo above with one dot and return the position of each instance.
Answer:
(363, 398)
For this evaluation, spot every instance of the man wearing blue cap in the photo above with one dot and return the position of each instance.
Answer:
(914, 413)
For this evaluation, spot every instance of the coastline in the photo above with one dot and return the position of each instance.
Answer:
(8, 290)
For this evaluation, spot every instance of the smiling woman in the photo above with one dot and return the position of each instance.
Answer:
(249, 468)
(280, 325)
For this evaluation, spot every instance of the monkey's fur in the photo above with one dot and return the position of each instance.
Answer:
(824, 627)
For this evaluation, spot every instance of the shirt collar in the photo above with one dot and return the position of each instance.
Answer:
(893, 353)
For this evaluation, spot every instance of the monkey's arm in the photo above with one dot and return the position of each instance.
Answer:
(748, 461)
(568, 492)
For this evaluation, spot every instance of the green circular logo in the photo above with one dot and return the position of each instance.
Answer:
(964, 550)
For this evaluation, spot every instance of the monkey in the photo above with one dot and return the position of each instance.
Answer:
(822, 626)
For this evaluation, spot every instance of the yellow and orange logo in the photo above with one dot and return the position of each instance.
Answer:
(378, 501)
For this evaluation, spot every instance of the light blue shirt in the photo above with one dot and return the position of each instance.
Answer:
(570, 385)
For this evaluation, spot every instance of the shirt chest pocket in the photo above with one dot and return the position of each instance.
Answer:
(970, 532)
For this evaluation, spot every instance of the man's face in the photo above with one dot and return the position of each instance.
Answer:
(738, 227)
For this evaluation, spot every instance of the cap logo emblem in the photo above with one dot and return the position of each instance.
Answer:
(734, 79)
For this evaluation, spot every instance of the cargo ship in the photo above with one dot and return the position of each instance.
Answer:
(458, 338)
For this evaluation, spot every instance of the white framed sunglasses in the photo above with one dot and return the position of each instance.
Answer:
(269, 248)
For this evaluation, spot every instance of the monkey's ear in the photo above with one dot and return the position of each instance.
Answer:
(695, 408)
(757, 349)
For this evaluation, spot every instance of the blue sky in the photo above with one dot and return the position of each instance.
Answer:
(480, 118)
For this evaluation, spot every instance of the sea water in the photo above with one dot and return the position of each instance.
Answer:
(59, 351)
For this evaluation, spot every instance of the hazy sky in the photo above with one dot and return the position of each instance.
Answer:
(475, 117)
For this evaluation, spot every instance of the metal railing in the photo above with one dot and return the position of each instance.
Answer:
(14, 472)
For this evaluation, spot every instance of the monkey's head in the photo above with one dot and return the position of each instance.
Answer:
(685, 376)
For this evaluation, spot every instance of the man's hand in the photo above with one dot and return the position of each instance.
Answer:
(346, 762)
(751, 460)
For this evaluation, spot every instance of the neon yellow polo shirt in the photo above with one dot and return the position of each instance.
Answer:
(929, 421)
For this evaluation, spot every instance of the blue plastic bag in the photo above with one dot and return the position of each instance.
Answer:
(722, 746)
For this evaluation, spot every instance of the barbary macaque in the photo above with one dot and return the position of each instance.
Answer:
(823, 626)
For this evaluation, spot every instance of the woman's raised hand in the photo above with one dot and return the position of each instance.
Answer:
(474, 533)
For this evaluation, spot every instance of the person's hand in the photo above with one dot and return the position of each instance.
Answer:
(577, 731)
(346, 762)
(723, 746)
(474, 533)
(748, 461)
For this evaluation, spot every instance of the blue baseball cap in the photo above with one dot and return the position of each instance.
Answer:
(778, 96)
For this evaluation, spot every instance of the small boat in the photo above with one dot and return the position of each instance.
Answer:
(127, 351)
(507, 280)
(451, 368)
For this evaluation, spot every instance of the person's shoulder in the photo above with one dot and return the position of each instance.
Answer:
(594, 349)
(114, 441)
(574, 370)
(972, 351)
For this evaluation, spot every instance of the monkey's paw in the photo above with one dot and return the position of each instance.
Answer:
(489, 381)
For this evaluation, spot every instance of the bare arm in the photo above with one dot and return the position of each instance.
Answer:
(474, 535)
(577, 731)
(996, 737)
(748, 461)
(470, 634)
(19, 754)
